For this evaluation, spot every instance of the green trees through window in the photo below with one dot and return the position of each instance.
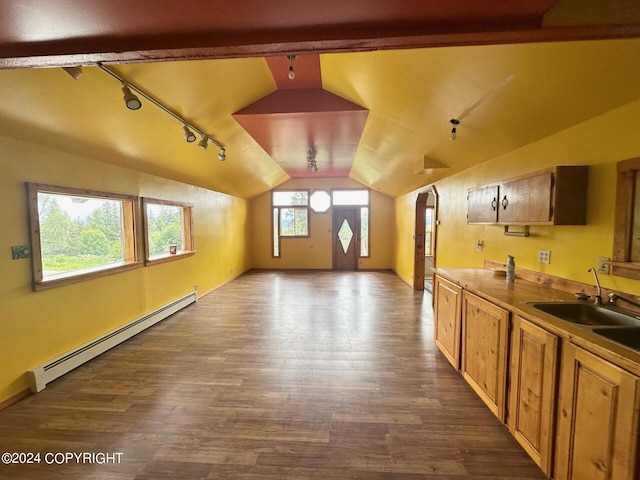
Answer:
(78, 233)
(168, 229)
(164, 223)
(290, 210)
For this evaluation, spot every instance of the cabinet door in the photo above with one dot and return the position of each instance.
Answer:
(597, 436)
(484, 350)
(527, 200)
(534, 360)
(482, 205)
(447, 307)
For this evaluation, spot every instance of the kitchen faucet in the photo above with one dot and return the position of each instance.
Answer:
(598, 298)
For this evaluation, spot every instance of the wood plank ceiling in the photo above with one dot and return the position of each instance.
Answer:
(369, 98)
(302, 127)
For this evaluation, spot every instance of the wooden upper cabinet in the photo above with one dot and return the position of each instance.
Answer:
(485, 332)
(482, 204)
(527, 200)
(532, 396)
(447, 318)
(556, 196)
(598, 409)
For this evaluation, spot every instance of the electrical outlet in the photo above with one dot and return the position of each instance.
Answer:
(544, 256)
(603, 266)
(479, 245)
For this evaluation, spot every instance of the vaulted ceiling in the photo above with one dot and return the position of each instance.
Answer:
(376, 83)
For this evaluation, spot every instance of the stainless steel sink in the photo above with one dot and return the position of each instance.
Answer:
(614, 323)
(628, 336)
(584, 313)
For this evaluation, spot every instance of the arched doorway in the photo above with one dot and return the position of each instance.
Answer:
(425, 238)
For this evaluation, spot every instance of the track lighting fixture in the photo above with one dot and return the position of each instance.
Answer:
(291, 73)
(131, 101)
(189, 136)
(311, 160)
(454, 122)
(189, 129)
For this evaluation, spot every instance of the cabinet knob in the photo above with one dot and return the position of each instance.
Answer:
(504, 203)
(494, 203)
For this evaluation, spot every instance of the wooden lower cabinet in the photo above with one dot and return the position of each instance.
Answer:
(532, 396)
(598, 410)
(447, 318)
(485, 331)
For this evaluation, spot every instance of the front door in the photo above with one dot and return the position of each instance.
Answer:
(346, 238)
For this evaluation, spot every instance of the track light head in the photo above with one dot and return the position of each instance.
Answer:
(204, 143)
(131, 101)
(189, 136)
(222, 156)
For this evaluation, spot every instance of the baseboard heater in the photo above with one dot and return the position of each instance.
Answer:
(43, 374)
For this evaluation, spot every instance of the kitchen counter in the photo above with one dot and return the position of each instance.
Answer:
(492, 286)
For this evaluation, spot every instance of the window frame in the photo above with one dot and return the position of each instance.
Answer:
(334, 204)
(276, 213)
(318, 191)
(187, 231)
(130, 219)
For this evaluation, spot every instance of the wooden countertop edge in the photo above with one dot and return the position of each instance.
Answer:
(487, 285)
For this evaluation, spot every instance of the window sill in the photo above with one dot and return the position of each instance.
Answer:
(73, 277)
(169, 258)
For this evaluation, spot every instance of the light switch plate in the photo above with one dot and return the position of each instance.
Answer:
(603, 266)
(20, 251)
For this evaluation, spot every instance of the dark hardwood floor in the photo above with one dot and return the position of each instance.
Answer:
(277, 375)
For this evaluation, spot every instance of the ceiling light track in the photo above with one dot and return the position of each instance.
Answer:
(187, 127)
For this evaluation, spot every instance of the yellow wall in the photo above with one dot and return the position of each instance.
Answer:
(404, 240)
(38, 326)
(599, 142)
(315, 252)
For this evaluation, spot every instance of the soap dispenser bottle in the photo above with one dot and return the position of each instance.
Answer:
(511, 269)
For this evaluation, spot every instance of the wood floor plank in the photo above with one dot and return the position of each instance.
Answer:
(275, 376)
